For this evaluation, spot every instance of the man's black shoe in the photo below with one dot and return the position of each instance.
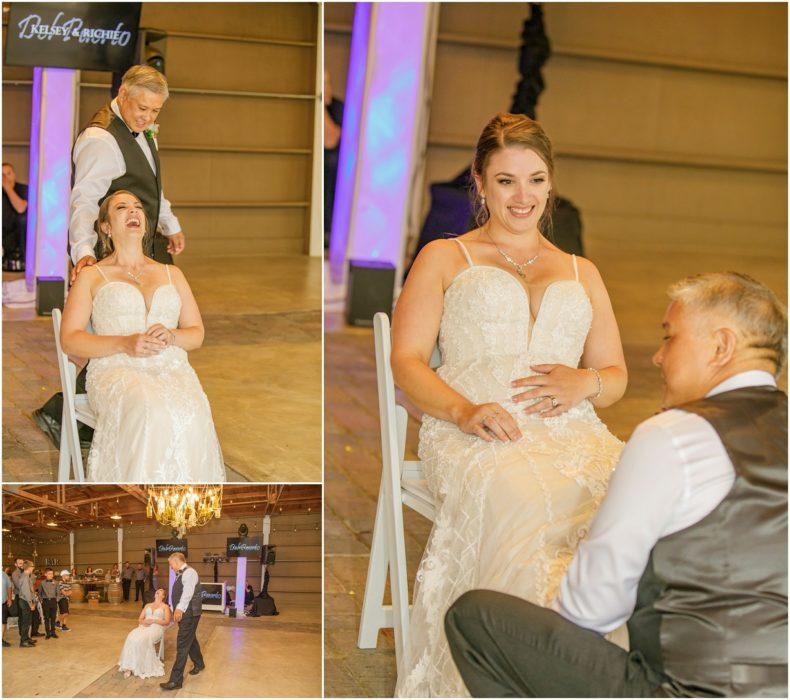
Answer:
(170, 685)
(49, 426)
(27, 643)
(6, 644)
(53, 636)
(195, 670)
(36, 634)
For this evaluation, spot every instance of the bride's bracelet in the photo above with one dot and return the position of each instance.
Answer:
(600, 384)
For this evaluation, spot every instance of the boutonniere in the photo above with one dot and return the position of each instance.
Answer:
(152, 131)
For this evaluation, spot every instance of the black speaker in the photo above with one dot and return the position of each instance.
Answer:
(371, 286)
(50, 294)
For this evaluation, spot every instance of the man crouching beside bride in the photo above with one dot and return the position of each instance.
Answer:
(689, 547)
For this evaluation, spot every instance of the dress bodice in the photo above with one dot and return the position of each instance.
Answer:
(159, 613)
(487, 337)
(119, 309)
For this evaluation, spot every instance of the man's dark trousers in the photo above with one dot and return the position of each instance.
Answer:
(139, 589)
(127, 586)
(50, 608)
(186, 645)
(25, 618)
(506, 647)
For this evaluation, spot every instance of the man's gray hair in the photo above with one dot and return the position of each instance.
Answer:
(147, 78)
(178, 556)
(758, 315)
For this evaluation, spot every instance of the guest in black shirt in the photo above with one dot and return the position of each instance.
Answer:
(333, 118)
(14, 220)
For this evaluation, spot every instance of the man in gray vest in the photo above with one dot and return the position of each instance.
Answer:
(187, 606)
(690, 544)
(117, 151)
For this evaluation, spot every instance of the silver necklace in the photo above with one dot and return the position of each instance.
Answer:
(135, 278)
(520, 267)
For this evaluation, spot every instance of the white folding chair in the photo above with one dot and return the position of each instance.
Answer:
(402, 483)
(75, 408)
(162, 647)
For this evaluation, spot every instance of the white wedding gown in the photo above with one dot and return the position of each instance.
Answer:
(138, 654)
(510, 515)
(153, 418)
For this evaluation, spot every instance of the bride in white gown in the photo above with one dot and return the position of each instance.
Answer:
(153, 419)
(139, 656)
(511, 445)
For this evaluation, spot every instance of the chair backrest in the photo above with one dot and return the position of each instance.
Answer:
(63, 358)
(393, 417)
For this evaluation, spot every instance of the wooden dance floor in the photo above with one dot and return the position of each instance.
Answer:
(250, 657)
(260, 366)
(636, 280)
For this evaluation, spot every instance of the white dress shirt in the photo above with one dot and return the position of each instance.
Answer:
(672, 473)
(189, 579)
(97, 162)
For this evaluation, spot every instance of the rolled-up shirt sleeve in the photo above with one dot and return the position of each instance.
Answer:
(598, 592)
(168, 222)
(189, 580)
(96, 165)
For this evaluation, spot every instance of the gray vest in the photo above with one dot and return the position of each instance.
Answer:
(711, 607)
(138, 178)
(195, 604)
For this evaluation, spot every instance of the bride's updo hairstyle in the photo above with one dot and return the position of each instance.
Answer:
(506, 130)
(760, 319)
(105, 241)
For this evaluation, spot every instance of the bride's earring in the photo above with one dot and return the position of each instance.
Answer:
(483, 200)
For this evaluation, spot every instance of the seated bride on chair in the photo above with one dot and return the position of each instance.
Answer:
(513, 451)
(138, 656)
(153, 420)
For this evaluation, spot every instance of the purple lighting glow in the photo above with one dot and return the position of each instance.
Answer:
(387, 82)
(241, 584)
(51, 136)
(347, 159)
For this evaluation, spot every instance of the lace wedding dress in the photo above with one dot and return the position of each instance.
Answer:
(138, 654)
(153, 419)
(510, 515)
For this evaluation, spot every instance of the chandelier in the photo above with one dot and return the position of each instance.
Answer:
(184, 507)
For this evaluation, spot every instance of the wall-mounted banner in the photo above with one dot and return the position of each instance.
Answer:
(249, 547)
(85, 35)
(164, 548)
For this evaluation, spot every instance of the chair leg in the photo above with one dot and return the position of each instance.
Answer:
(70, 424)
(375, 615)
(64, 460)
(399, 586)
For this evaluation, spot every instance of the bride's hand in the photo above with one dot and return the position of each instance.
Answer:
(488, 420)
(162, 332)
(142, 345)
(567, 385)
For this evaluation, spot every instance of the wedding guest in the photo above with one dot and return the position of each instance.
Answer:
(249, 597)
(8, 590)
(690, 544)
(126, 580)
(64, 590)
(139, 584)
(23, 591)
(48, 592)
(14, 220)
(333, 119)
(117, 151)
(35, 619)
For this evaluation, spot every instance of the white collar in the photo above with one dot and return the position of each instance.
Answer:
(114, 107)
(752, 377)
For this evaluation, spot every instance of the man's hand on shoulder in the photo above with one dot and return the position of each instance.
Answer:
(175, 243)
(82, 263)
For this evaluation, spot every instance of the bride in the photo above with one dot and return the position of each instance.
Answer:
(153, 419)
(512, 448)
(139, 655)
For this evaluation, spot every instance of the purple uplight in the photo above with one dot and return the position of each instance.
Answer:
(241, 584)
(32, 195)
(51, 136)
(387, 77)
(349, 143)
